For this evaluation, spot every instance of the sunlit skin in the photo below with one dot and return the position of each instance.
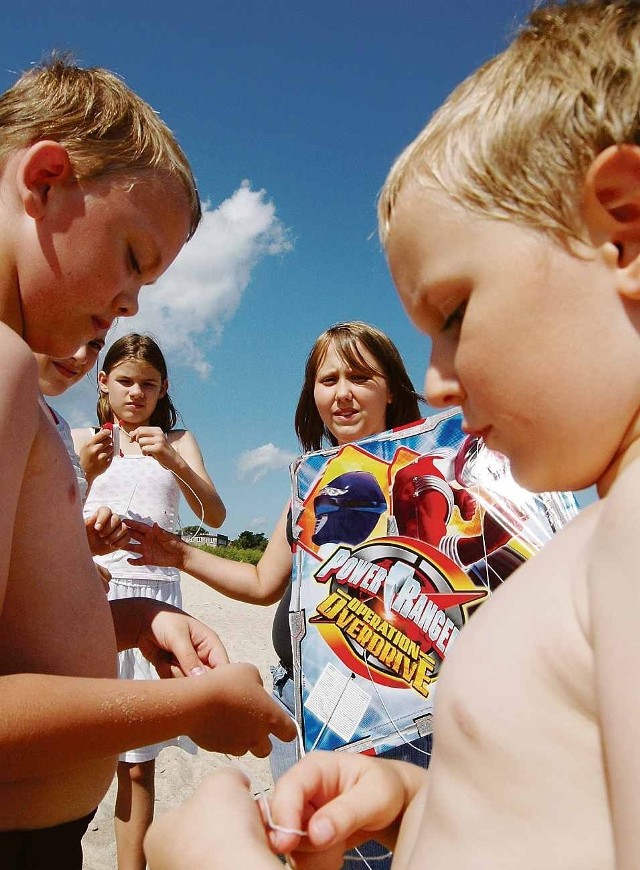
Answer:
(105, 530)
(93, 244)
(352, 404)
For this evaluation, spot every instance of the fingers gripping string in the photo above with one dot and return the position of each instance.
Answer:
(262, 797)
(191, 490)
(260, 794)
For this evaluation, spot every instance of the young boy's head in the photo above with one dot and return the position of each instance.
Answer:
(512, 229)
(515, 140)
(105, 127)
(96, 200)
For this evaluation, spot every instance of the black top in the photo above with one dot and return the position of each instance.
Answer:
(280, 631)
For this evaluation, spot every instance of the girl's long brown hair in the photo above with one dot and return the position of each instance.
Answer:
(139, 348)
(347, 338)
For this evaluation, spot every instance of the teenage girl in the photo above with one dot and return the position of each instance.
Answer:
(355, 385)
(104, 528)
(153, 465)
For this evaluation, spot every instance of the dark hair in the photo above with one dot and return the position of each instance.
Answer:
(348, 338)
(140, 348)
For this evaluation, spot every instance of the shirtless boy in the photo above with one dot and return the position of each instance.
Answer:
(512, 228)
(96, 200)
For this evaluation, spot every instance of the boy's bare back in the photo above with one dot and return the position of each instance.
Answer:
(55, 618)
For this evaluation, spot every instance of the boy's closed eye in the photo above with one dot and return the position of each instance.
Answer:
(455, 318)
(133, 260)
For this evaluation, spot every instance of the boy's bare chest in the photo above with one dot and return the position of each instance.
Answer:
(55, 604)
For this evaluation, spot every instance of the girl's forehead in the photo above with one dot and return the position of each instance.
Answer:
(352, 354)
(137, 367)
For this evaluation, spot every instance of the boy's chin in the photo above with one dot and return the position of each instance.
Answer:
(533, 478)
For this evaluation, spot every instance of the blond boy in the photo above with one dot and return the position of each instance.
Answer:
(512, 228)
(96, 200)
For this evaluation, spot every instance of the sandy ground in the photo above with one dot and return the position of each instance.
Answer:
(246, 632)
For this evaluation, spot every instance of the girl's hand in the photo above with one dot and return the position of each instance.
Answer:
(96, 455)
(155, 546)
(106, 532)
(152, 441)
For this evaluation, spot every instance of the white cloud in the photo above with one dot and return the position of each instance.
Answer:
(258, 524)
(256, 463)
(188, 307)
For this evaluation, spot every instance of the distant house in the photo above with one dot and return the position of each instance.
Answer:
(218, 540)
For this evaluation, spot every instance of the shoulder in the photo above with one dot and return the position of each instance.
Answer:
(16, 356)
(19, 374)
(181, 439)
(612, 550)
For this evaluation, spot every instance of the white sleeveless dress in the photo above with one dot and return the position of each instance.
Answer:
(138, 487)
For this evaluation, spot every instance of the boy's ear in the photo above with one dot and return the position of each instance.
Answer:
(43, 165)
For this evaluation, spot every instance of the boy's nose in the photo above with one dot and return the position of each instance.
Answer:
(126, 304)
(441, 386)
(80, 356)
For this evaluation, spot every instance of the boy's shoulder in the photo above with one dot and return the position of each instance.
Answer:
(17, 364)
(620, 508)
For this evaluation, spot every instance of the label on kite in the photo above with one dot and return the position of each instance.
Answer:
(397, 540)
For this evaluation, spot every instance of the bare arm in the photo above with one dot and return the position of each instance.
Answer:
(52, 724)
(195, 475)
(263, 583)
(19, 389)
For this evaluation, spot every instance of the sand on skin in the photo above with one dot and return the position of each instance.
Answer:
(245, 630)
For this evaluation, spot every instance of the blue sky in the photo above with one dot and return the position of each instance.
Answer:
(291, 114)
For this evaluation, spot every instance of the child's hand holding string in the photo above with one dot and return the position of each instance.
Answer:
(96, 455)
(152, 441)
(155, 546)
(177, 644)
(340, 799)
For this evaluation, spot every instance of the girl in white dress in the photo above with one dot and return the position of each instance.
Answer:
(152, 464)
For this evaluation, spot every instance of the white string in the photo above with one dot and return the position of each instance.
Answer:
(386, 710)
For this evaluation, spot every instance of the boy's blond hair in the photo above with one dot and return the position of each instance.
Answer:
(515, 140)
(105, 127)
